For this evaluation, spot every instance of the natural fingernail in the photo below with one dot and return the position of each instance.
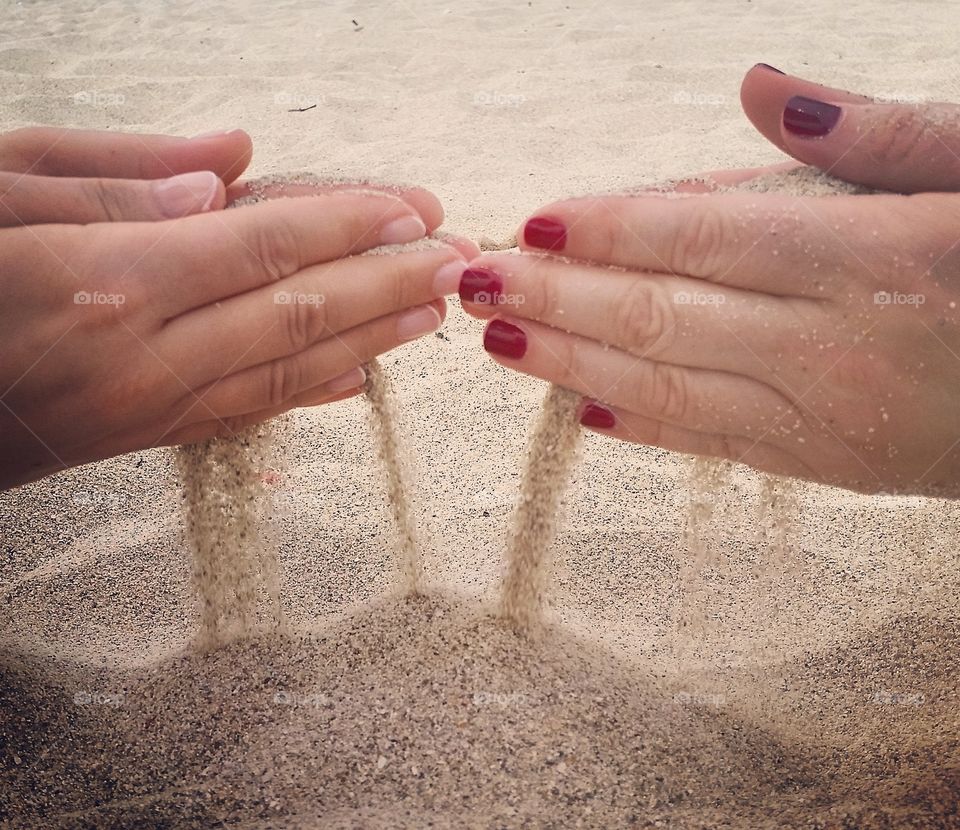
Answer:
(404, 229)
(771, 68)
(505, 339)
(544, 232)
(447, 277)
(348, 380)
(480, 285)
(186, 194)
(418, 322)
(598, 417)
(212, 134)
(810, 118)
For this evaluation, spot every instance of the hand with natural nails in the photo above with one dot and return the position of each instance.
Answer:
(136, 313)
(814, 337)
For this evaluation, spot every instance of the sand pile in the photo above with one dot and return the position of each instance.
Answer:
(430, 712)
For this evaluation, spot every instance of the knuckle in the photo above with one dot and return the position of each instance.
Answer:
(643, 320)
(668, 396)
(275, 250)
(699, 246)
(540, 292)
(900, 134)
(103, 198)
(283, 379)
(399, 285)
(303, 322)
(571, 371)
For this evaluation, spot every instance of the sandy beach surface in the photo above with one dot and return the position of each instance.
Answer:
(794, 669)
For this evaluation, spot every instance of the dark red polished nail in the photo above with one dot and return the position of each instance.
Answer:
(505, 339)
(544, 232)
(810, 118)
(598, 416)
(771, 68)
(480, 285)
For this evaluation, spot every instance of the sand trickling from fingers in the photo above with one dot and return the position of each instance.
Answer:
(235, 570)
(393, 462)
(549, 461)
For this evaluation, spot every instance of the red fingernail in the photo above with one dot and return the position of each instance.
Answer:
(478, 285)
(598, 416)
(544, 232)
(810, 118)
(505, 339)
(771, 68)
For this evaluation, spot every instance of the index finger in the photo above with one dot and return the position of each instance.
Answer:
(190, 263)
(56, 151)
(767, 242)
(310, 184)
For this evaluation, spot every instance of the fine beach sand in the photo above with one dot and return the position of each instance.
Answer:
(732, 684)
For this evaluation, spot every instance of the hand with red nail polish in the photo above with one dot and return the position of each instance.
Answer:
(803, 336)
(904, 148)
(137, 313)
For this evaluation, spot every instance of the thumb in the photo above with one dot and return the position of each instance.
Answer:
(898, 147)
(36, 200)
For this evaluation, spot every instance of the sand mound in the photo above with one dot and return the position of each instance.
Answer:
(428, 711)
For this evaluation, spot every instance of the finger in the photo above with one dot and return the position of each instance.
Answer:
(888, 146)
(764, 94)
(203, 259)
(317, 303)
(714, 180)
(422, 201)
(275, 384)
(34, 200)
(231, 426)
(696, 399)
(770, 242)
(54, 151)
(628, 426)
(660, 317)
(305, 184)
(896, 147)
(467, 248)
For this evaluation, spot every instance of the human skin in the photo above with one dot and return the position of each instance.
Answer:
(814, 337)
(135, 313)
